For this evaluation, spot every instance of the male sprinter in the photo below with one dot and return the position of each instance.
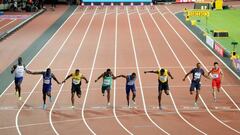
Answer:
(76, 84)
(196, 80)
(19, 70)
(162, 83)
(47, 84)
(217, 76)
(130, 86)
(107, 83)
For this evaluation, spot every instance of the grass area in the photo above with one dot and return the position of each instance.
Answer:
(227, 20)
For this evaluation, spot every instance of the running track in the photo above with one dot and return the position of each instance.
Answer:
(126, 39)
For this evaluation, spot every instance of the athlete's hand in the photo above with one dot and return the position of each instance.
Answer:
(95, 81)
(183, 79)
(63, 81)
(86, 81)
(171, 77)
(145, 72)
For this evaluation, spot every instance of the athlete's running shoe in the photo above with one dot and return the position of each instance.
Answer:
(195, 104)
(108, 104)
(73, 107)
(19, 98)
(44, 106)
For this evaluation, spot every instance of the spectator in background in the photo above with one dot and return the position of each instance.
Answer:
(235, 61)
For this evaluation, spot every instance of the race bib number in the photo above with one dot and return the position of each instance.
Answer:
(163, 78)
(47, 81)
(106, 82)
(75, 81)
(215, 76)
(197, 76)
(130, 82)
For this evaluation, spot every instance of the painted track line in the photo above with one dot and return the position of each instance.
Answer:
(155, 56)
(190, 79)
(90, 78)
(59, 50)
(205, 66)
(8, 23)
(75, 56)
(140, 82)
(115, 72)
(47, 43)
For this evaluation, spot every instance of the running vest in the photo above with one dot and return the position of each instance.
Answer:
(47, 80)
(163, 78)
(130, 81)
(216, 73)
(19, 71)
(76, 79)
(107, 80)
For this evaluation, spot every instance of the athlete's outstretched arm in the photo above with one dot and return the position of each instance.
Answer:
(170, 75)
(155, 72)
(83, 77)
(36, 73)
(206, 76)
(13, 68)
(187, 75)
(210, 72)
(67, 78)
(123, 76)
(99, 77)
(114, 77)
(55, 79)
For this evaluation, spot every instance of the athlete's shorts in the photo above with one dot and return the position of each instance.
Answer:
(130, 88)
(77, 89)
(195, 85)
(163, 86)
(216, 83)
(46, 88)
(18, 80)
(104, 88)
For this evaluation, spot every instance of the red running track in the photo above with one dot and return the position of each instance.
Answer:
(125, 39)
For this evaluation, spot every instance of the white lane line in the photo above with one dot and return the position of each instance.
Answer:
(7, 24)
(59, 50)
(139, 76)
(115, 72)
(47, 43)
(159, 66)
(205, 67)
(190, 79)
(75, 56)
(90, 78)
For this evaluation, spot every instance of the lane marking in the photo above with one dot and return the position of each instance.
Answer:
(90, 78)
(7, 24)
(139, 76)
(115, 72)
(159, 66)
(59, 50)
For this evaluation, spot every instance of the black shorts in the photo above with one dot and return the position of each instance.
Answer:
(163, 86)
(195, 85)
(77, 89)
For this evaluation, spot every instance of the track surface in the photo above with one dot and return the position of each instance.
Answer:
(125, 39)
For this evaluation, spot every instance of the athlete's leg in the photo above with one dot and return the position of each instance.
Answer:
(108, 95)
(159, 99)
(166, 92)
(72, 98)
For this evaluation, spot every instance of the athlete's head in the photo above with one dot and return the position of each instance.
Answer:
(77, 71)
(48, 71)
(162, 71)
(108, 71)
(215, 65)
(198, 65)
(20, 60)
(133, 75)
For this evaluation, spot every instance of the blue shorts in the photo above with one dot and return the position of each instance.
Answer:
(195, 85)
(18, 80)
(130, 88)
(46, 89)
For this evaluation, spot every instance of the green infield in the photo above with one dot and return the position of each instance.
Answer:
(222, 20)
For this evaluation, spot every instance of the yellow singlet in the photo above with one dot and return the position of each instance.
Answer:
(163, 78)
(76, 79)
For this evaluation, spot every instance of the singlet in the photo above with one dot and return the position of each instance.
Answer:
(216, 73)
(76, 79)
(107, 80)
(130, 81)
(197, 73)
(19, 71)
(47, 79)
(163, 78)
